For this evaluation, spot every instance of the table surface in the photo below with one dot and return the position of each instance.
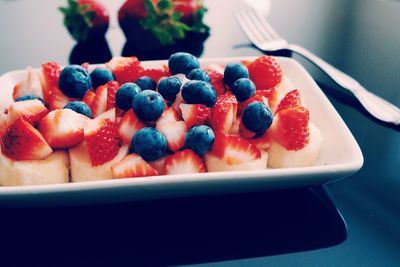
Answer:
(300, 227)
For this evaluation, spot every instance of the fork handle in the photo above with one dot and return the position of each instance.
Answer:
(377, 106)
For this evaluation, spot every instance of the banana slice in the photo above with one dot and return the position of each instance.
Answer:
(215, 164)
(81, 167)
(51, 170)
(280, 157)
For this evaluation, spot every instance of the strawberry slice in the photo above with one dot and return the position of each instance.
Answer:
(244, 132)
(31, 110)
(175, 132)
(112, 88)
(291, 129)
(129, 125)
(234, 150)
(102, 140)
(290, 100)
(104, 98)
(216, 79)
(30, 86)
(224, 113)
(56, 98)
(132, 166)
(50, 72)
(88, 98)
(158, 164)
(157, 74)
(169, 115)
(195, 114)
(125, 69)
(23, 142)
(4, 123)
(265, 72)
(63, 128)
(183, 162)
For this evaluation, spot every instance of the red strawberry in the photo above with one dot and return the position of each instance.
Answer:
(195, 114)
(129, 125)
(265, 72)
(169, 115)
(112, 88)
(187, 7)
(234, 150)
(109, 114)
(132, 166)
(183, 162)
(57, 99)
(157, 74)
(216, 79)
(134, 9)
(31, 110)
(50, 73)
(292, 129)
(125, 69)
(159, 164)
(102, 140)
(224, 113)
(291, 100)
(86, 20)
(99, 103)
(63, 128)
(4, 123)
(23, 142)
(88, 98)
(175, 132)
(30, 86)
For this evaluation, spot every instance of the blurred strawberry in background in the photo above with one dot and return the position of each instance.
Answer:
(86, 20)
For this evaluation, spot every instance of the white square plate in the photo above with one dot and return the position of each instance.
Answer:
(340, 157)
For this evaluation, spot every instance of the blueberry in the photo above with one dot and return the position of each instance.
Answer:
(257, 117)
(101, 76)
(125, 95)
(74, 81)
(28, 97)
(148, 105)
(182, 62)
(233, 72)
(198, 74)
(149, 143)
(200, 139)
(243, 89)
(169, 87)
(79, 107)
(199, 92)
(146, 83)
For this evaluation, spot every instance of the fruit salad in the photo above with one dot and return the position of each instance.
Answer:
(123, 120)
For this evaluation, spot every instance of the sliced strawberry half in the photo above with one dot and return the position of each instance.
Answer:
(183, 162)
(224, 113)
(216, 75)
(23, 142)
(125, 69)
(112, 88)
(57, 99)
(292, 129)
(262, 142)
(290, 100)
(195, 114)
(30, 86)
(156, 74)
(234, 150)
(31, 110)
(89, 96)
(50, 72)
(102, 140)
(132, 166)
(169, 115)
(129, 125)
(63, 128)
(104, 98)
(175, 132)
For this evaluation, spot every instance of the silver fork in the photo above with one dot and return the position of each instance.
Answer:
(263, 36)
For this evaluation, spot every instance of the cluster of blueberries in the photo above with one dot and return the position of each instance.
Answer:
(148, 104)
